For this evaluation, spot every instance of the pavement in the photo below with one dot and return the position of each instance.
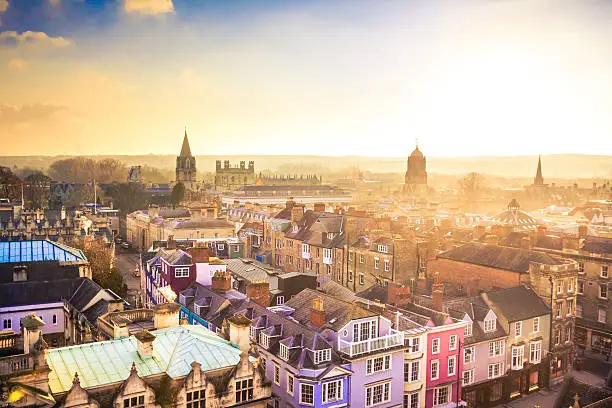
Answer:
(543, 398)
(126, 261)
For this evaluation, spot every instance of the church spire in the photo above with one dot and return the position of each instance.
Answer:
(539, 180)
(185, 150)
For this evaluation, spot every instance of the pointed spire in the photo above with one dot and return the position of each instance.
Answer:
(133, 370)
(76, 380)
(539, 180)
(185, 149)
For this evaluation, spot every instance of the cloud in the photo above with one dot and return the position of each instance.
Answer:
(15, 115)
(151, 7)
(14, 39)
(18, 64)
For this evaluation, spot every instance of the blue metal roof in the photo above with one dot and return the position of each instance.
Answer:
(38, 250)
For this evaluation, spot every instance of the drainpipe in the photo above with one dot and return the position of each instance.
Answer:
(458, 369)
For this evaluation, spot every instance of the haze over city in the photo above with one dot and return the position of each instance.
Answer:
(472, 78)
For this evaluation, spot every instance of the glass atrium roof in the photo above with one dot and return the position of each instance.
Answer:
(40, 250)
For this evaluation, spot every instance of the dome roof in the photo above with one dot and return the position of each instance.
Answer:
(516, 218)
(416, 153)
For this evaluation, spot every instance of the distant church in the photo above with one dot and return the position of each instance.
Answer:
(538, 180)
(416, 172)
(186, 166)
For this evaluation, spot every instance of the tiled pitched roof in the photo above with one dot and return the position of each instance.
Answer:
(598, 245)
(518, 303)
(477, 309)
(512, 259)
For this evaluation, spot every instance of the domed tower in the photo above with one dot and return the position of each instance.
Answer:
(416, 171)
(186, 166)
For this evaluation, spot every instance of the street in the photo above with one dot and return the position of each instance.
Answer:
(126, 261)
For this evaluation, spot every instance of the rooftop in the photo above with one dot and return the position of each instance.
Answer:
(37, 251)
(518, 303)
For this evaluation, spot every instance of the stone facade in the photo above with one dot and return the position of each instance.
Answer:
(232, 178)
(186, 166)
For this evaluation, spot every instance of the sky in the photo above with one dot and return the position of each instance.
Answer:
(351, 77)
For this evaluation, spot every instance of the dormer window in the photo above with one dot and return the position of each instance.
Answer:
(321, 356)
(253, 332)
(264, 340)
(489, 325)
(295, 228)
(467, 332)
(284, 352)
(182, 299)
(330, 235)
(383, 248)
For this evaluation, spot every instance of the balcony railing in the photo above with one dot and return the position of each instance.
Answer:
(15, 364)
(371, 345)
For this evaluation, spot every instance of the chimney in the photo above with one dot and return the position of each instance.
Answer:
(170, 242)
(144, 343)
(259, 292)
(297, 212)
(31, 329)
(239, 328)
(437, 294)
(319, 207)
(398, 295)
(166, 315)
(290, 203)
(317, 314)
(222, 282)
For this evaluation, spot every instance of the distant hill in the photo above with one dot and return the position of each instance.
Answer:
(558, 166)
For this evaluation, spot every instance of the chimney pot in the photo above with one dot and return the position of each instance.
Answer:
(259, 292)
(221, 281)
(317, 313)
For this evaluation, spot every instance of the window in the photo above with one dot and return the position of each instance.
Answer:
(535, 352)
(7, 324)
(601, 315)
(558, 308)
(536, 324)
(441, 395)
(253, 332)
(452, 365)
(244, 390)
(276, 374)
(452, 343)
(422, 263)
(412, 371)
(332, 391)
(196, 399)
(603, 291)
(489, 325)
(321, 356)
(411, 400)
(284, 352)
(581, 267)
(496, 370)
(580, 288)
(361, 258)
(435, 346)
(220, 247)
(54, 319)
(264, 340)
(386, 265)
(375, 263)
(435, 369)
(306, 394)
(560, 287)
(290, 383)
(306, 249)
(570, 306)
(181, 272)
(377, 394)
(350, 256)
(350, 276)
(517, 357)
(468, 377)
(468, 355)
(496, 348)
(361, 279)
(604, 271)
(568, 334)
(134, 402)
(383, 248)
(327, 253)
(467, 332)
(518, 328)
(280, 300)
(414, 345)
(378, 364)
(558, 336)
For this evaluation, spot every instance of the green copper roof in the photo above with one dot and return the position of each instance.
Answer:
(174, 349)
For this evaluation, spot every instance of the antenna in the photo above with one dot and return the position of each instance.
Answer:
(95, 198)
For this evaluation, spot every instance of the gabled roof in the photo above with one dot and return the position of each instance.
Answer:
(177, 257)
(477, 309)
(517, 303)
(493, 256)
(107, 362)
(212, 302)
(598, 245)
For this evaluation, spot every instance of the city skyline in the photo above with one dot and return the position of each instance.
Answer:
(351, 78)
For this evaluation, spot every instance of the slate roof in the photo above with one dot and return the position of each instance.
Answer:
(338, 312)
(313, 229)
(212, 302)
(86, 291)
(493, 256)
(476, 308)
(106, 362)
(206, 223)
(37, 292)
(598, 245)
(251, 270)
(177, 257)
(518, 303)
(375, 292)
(333, 288)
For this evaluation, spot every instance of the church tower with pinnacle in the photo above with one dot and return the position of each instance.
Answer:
(539, 180)
(186, 166)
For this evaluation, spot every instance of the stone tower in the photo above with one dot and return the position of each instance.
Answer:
(416, 171)
(186, 166)
(539, 180)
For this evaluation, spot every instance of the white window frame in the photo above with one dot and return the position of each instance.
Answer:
(7, 324)
(414, 372)
(490, 325)
(603, 286)
(414, 344)
(536, 324)
(468, 351)
(436, 395)
(290, 383)
(284, 352)
(517, 357)
(361, 258)
(452, 359)
(280, 300)
(470, 374)
(452, 342)
(264, 340)
(434, 363)
(518, 329)
(411, 400)
(180, 272)
(325, 397)
(435, 346)
(303, 394)
(361, 279)
(386, 265)
(568, 334)
(535, 352)
(276, 374)
(600, 314)
(369, 394)
(496, 348)
(492, 368)
(467, 331)
(385, 364)
(321, 356)
(376, 265)
(604, 271)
